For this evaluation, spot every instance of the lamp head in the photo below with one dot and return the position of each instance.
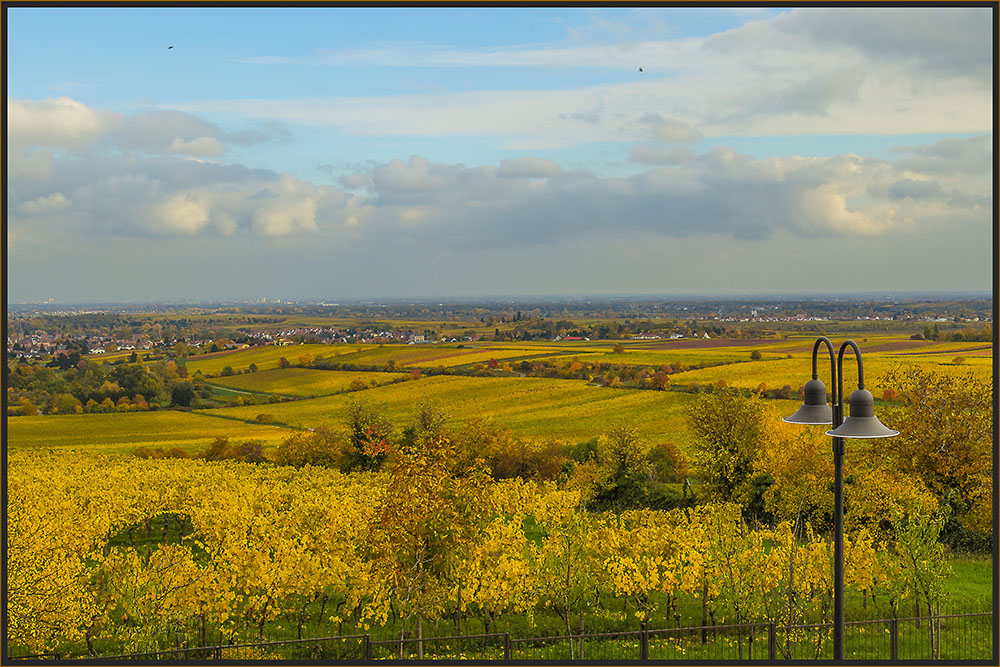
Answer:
(862, 422)
(815, 409)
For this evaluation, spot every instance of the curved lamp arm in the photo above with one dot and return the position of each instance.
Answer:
(833, 369)
(840, 366)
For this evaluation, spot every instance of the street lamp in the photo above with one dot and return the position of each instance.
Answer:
(862, 423)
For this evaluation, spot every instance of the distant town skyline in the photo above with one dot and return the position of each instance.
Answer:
(226, 153)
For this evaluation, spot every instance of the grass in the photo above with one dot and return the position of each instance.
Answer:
(266, 357)
(568, 410)
(302, 382)
(115, 433)
(794, 372)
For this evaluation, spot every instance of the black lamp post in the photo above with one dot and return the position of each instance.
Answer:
(862, 423)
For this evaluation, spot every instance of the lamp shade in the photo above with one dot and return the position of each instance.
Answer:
(815, 409)
(862, 422)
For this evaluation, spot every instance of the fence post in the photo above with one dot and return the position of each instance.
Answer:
(368, 647)
(772, 642)
(644, 642)
(506, 646)
(894, 639)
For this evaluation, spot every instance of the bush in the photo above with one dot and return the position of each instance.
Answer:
(318, 448)
(219, 450)
(669, 496)
(251, 451)
(265, 418)
(357, 384)
(667, 463)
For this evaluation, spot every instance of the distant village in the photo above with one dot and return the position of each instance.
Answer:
(39, 343)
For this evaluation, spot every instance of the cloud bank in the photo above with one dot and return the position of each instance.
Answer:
(116, 174)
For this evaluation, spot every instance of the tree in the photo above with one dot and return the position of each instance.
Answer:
(67, 404)
(424, 528)
(661, 380)
(799, 463)
(730, 430)
(181, 393)
(322, 447)
(755, 355)
(624, 469)
(618, 349)
(369, 431)
(946, 428)
(284, 363)
(568, 561)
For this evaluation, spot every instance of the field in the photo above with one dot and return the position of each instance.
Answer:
(302, 382)
(536, 408)
(123, 432)
(776, 373)
(539, 408)
(265, 357)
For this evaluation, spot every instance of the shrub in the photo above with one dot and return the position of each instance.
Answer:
(219, 450)
(318, 448)
(667, 463)
(251, 451)
(265, 418)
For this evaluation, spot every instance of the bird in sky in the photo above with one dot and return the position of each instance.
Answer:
(170, 47)
(640, 69)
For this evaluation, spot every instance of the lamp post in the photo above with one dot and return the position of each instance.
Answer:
(862, 423)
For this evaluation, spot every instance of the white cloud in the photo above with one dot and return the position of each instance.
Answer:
(905, 70)
(62, 122)
(65, 123)
(53, 202)
(669, 130)
(183, 214)
(204, 146)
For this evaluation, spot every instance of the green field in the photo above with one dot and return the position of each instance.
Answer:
(303, 382)
(538, 408)
(123, 432)
(776, 373)
(265, 357)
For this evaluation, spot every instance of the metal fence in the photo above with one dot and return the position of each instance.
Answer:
(941, 637)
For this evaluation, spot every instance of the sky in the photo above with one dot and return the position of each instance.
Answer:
(334, 153)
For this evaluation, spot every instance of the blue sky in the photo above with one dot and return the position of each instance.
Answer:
(386, 152)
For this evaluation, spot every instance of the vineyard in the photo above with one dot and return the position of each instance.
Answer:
(534, 407)
(115, 554)
(507, 507)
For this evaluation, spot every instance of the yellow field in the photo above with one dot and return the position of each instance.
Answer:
(303, 382)
(797, 371)
(123, 432)
(265, 357)
(533, 407)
